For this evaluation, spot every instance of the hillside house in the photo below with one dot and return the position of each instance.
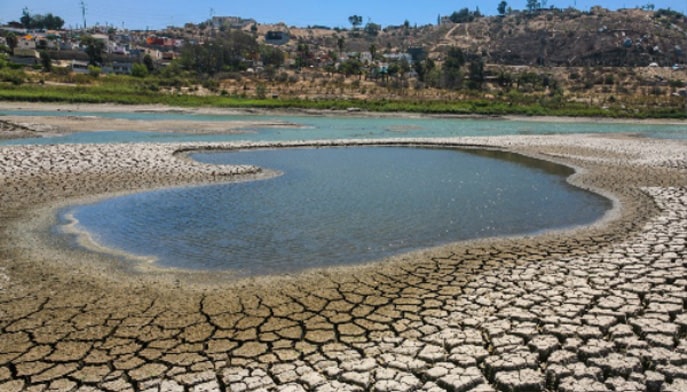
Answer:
(119, 67)
(102, 37)
(79, 66)
(26, 42)
(25, 52)
(392, 57)
(277, 38)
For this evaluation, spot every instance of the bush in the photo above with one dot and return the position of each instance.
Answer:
(12, 76)
(676, 83)
(94, 71)
(261, 91)
(211, 84)
(139, 70)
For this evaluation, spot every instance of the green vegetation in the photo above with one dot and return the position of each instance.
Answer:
(232, 68)
(465, 16)
(137, 90)
(48, 21)
(226, 53)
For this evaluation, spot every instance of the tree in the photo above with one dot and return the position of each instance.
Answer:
(502, 7)
(423, 68)
(355, 21)
(393, 69)
(304, 57)
(372, 29)
(228, 52)
(533, 5)
(373, 51)
(476, 74)
(94, 49)
(139, 70)
(48, 21)
(261, 91)
(12, 41)
(352, 66)
(404, 66)
(94, 71)
(455, 58)
(271, 56)
(452, 74)
(51, 22)
(25, 18)
(464, 16)
(340, 44)
(148, 62)
(46, 61)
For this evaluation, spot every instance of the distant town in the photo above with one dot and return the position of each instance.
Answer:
(598, 56)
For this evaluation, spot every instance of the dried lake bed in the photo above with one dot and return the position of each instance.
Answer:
(598, 308)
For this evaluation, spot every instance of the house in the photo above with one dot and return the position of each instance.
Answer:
(417, 53)
(26, 42)
(119, 67)
(154, 54)
(25, 52)
(155, 41)
(119, 49)
(392, 57)
(79, 66)
(69, 45)
(102, 37)
(365, 57)
(168, 56)
(164, 42)
(277, 37)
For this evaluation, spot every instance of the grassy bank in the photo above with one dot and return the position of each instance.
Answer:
(140, 94)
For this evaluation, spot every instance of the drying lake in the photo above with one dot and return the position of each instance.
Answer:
(338, 206)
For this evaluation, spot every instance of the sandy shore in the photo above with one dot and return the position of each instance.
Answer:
(62, 123)
(596, 309)
(12, 126)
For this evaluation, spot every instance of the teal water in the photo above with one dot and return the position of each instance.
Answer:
(339, 206)
(345, 127)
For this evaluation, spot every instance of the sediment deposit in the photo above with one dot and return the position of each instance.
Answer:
(600, 308)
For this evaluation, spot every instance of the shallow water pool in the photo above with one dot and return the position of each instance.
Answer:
(339, 206)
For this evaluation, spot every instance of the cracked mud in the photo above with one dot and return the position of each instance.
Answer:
(596, 309)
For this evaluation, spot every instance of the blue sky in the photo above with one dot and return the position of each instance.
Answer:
(154, 14)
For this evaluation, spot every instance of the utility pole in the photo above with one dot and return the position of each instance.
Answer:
(212, 22)
(83, 13)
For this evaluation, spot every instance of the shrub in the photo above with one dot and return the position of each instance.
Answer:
(260, 91)
(139, 70)
(211, 84)
(94, 71)
(12, 76)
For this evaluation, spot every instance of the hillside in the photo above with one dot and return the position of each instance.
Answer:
(627, 37)
(626, 58)
(629, 62)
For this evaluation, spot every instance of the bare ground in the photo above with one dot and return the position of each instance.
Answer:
(600, 308)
